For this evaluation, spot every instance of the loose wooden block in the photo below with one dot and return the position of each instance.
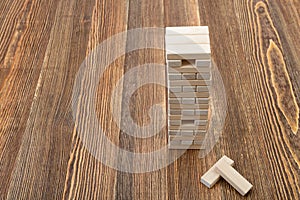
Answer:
(211, 176)
(174, 63)
(187, 30)
(233, 177)
(203, 63)
(187, 39)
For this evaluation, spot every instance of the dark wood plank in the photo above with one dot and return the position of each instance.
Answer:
(20, 71)
(41, 164)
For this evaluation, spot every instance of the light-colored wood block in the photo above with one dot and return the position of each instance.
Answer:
(188, 51)
(203, 63)
(233, 177)
(183, 69)
(188, 142)
(202, 100)
(186, 132)
(186, 137)
(193, 117)
(201, 112)
(176, 89)
(190, 95)
(174, 63)
(188, 106)
(187, 30)
(182, 147)
(211, 176)
(189, 76)
(187, 39)
(175, 100)
(200, 122)
(174, 76)
(204, 76)
(188, 100)
(188, 127)
(203, 88)
(188, 82)
(189, 88)
(187, 112)
(174, 122)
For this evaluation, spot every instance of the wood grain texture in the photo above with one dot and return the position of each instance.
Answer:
(254, 43)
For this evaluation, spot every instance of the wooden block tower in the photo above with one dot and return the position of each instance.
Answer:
(189, 78)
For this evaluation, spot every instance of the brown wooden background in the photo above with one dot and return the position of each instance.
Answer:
(42, 44)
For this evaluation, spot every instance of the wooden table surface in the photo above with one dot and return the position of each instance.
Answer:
(254, 43)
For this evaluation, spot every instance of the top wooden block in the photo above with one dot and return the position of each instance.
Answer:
(187, 30)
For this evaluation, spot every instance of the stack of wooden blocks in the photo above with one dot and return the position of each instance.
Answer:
(189, 78)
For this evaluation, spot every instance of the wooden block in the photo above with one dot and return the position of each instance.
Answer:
(188, 127)
(201, 112)
(187, 133)
(187, 39)
(211, 176)
(188, 100)
(189, 76)
(182, 147)
(189, 88)
(188, 82)
(183, 70)
(186, 137)
(174, 76)
(181, 117)
(174, 100)
(188, 51)
(202, 100)
(174, 122)
(204, 76)
(175, 89)
(200, 132)
(233, 177)
(188, 142)
(200, 122)
(175, 112)
(203, 63)
(174, 63)
(187, 30)
(174, 132)
(187, 112)
(203, 88)
(188, 106)
(190, 95)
